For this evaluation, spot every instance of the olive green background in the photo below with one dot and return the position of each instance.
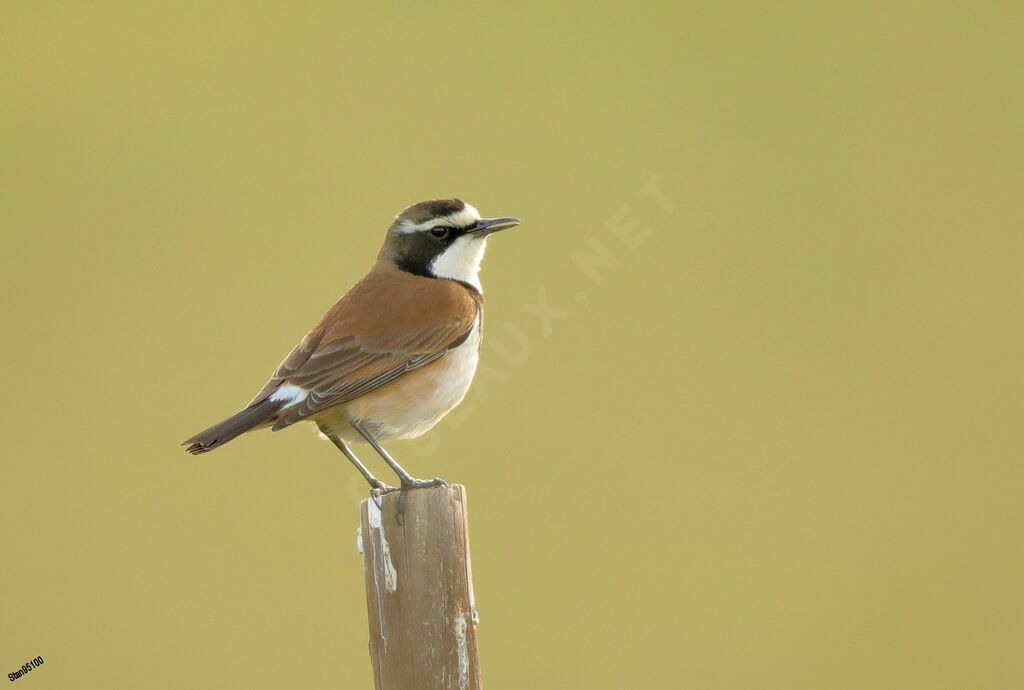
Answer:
(760, 428)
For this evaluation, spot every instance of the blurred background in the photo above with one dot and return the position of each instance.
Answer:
(750, 405)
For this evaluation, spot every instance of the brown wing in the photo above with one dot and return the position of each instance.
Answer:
(390, 323)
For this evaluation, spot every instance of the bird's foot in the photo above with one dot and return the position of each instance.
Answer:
(411, 484)
(379, 488)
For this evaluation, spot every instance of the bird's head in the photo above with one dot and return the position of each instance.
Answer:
(441, 238)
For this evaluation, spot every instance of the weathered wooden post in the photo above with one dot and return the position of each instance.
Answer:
(419, 591)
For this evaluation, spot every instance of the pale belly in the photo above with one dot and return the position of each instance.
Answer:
(412, 404)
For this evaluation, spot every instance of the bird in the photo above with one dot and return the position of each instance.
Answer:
(395, 354)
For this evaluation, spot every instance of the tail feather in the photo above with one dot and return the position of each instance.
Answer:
(252, 417)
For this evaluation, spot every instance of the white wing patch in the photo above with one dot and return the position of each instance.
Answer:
(290, 395)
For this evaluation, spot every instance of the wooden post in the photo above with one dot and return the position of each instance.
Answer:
(419, 591)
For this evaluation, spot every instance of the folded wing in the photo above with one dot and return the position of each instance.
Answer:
(387, 325)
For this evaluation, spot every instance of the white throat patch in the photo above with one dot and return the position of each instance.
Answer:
(461, 261)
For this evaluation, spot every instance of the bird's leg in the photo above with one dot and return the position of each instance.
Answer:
(408, 481)
(375, 484)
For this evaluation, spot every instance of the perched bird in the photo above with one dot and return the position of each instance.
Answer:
(395, 354)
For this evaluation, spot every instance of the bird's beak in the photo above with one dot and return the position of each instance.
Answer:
(485, 226)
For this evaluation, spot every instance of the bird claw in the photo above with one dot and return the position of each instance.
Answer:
(423, 483)
(411, 485)
(379, 488)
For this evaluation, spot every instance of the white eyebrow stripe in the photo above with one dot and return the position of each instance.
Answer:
(467, 216)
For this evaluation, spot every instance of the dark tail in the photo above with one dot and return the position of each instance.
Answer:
(252, 417)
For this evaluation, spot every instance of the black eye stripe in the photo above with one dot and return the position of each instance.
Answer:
(446, 231)
(415, 252)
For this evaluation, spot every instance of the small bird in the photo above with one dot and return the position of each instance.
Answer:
(395, 354)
